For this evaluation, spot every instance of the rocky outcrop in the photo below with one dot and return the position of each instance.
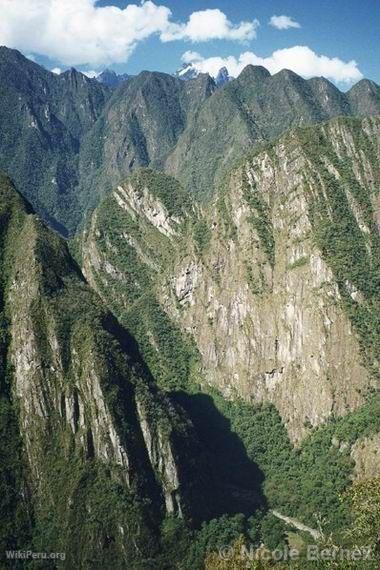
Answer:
(162, 459)
(365, 452)
(145, 205)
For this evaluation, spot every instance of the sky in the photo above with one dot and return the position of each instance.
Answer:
(339, 39)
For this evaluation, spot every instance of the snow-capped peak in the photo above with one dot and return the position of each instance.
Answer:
(189, 71)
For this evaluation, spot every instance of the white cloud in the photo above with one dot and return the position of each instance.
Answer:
(210, 25)
(300, 59)
(194, 57)
(283, 22)
(78, 32)
(56, 70)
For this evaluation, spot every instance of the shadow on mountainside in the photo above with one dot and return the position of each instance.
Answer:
(214, 464)
(236, 480)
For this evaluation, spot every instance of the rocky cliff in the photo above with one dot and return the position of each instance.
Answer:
(103, 455)
(273, 285)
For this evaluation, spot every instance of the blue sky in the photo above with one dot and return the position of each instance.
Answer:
(348, 29)
(88, 35)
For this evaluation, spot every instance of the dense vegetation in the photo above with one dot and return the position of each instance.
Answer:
(260, 218)
(166, 188)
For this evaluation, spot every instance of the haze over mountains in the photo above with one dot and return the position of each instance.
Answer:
(72, 138)
(195, 359)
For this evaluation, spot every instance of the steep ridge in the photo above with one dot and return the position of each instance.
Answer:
(99, 456)
(139, 126)
(202, 130)
(275, 282)
(253, 108)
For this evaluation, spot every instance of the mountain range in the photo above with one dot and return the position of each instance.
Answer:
(72, 138)
(189, 317)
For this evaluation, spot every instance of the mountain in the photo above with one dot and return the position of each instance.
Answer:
(254, 108)
(203, 130)
(141, 124)
(81, 412)
(90, 420)
(43, 118)
(189, 71)
(72, 138)
(111, 78)
(364, 98)
(275, 285)
(276, 280)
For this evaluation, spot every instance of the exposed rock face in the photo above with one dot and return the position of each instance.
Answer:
(86, 402)
(144, 204)
(40, 380)
(366, 453)
(265, 285)
(162, 459)
(273, 329)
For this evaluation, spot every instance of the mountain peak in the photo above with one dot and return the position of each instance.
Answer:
(110, 78)
(4, 50)
(365, 85)
(364, 97)
(223, 77)
(288, 75)
(255, 72)
(187, 71)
